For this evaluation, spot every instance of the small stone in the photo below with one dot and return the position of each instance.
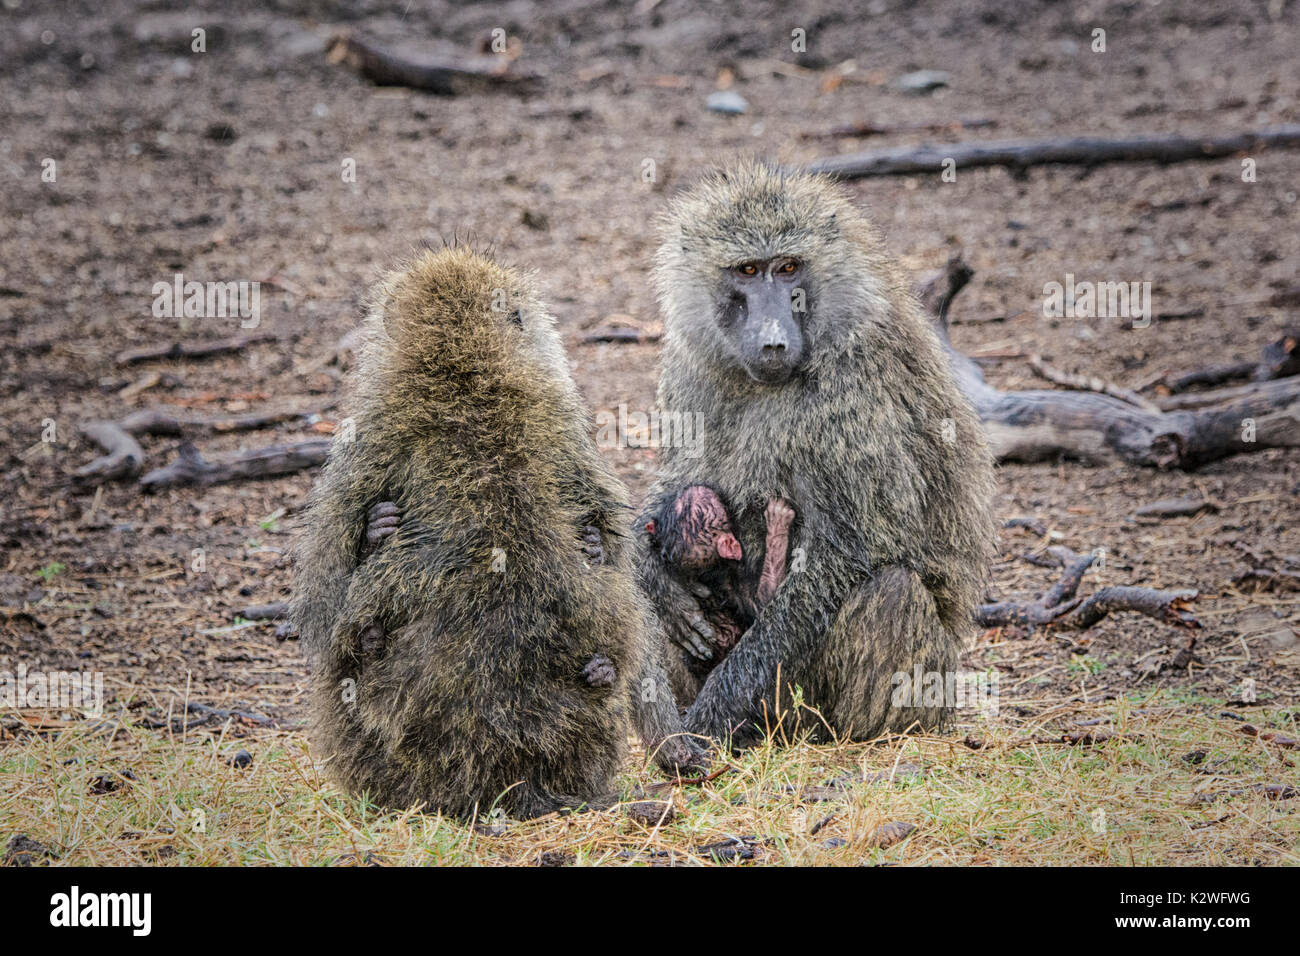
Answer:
(922, 81)
(555, 858)
(535, 220)
(727, 101)
(887, 834)
(241, 760)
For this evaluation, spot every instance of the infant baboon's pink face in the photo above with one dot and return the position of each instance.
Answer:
(706, 529)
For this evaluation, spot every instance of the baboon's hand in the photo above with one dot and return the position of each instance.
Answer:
(600, 672)
(780, 515)
(591, 545)
(381, 522)
(371, 641)
(685, 625)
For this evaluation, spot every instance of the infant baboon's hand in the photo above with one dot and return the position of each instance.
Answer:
(780, 515)
(591, 545)
(686, 627)
(600, 672)
(382, 521)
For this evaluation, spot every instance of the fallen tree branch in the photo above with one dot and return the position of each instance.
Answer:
(191, 468)
(204, 714)
(1087, 383)
(875, 129)
(1059, 608)
(1167, 606)
(191, 350)
(386, 68)
(1023, 153)
(265, 612)
(1038, 425)
(1278, 360)
(155, 421)
(1176, 508)
(123, 457)
(625, 335)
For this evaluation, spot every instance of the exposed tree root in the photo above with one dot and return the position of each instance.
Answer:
(123, 457)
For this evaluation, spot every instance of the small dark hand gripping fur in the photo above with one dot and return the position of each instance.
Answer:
(790, 329)
(477, 658)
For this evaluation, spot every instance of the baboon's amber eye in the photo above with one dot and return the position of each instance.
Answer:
(788, 267)
(748, 269)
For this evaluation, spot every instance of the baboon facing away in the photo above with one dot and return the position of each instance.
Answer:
(477, 654)
(795, 335)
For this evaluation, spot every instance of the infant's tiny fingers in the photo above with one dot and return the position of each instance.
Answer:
(391, 524)
(692, 644)
(705, 636)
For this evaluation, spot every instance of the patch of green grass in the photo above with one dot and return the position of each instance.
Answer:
(1023, 798)
(271, 522)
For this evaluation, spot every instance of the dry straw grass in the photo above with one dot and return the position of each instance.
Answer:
(1176, 783)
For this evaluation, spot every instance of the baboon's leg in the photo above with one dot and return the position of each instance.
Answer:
(779, 516)
(654, 707)
(888, 626)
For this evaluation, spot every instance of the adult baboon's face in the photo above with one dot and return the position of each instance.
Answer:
(761, 312)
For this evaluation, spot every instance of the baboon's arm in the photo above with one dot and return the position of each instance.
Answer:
(331, 547)
(788, 630)
(658, 722)
(604, 502)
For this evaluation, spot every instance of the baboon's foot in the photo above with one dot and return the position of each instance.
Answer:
(600, 672)
(592, 547)
(371, 642)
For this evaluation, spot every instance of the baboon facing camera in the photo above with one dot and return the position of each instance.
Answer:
(793, 333)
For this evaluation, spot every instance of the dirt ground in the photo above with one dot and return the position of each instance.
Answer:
(226, 166)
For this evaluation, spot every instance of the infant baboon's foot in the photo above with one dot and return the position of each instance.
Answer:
(591, 545)
(780, 515)
(382, 521)
(600, 672)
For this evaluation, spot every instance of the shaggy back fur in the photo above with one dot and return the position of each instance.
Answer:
(466, 417)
